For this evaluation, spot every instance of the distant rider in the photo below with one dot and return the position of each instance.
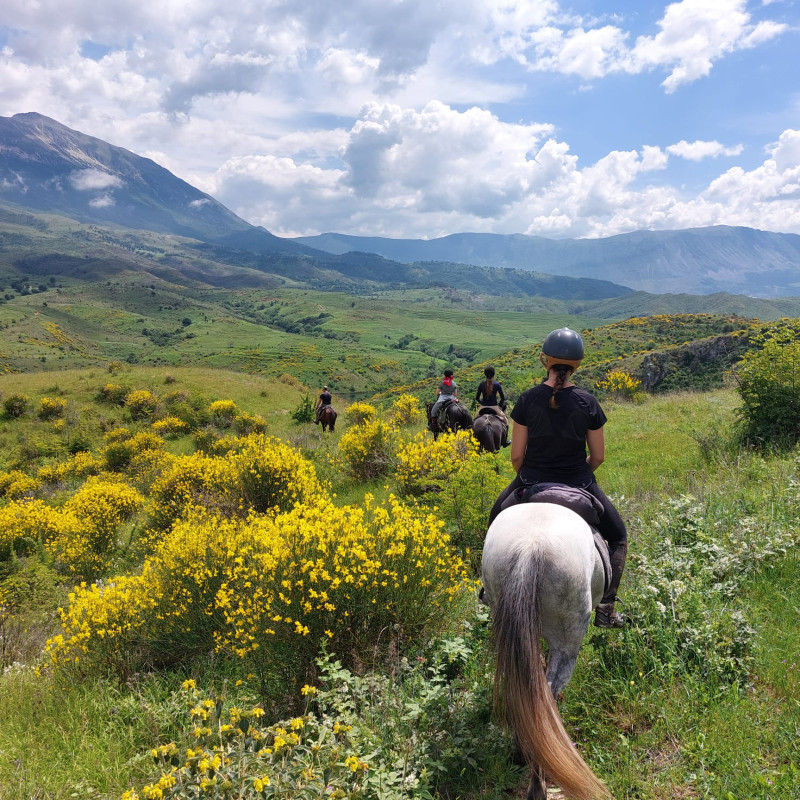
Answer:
(492, 400)
(323, 400)
(446, 390)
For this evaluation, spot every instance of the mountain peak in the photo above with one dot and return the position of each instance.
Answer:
(49, 167)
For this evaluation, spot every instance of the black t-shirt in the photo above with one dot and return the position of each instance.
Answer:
(556, 448)
(485, 398)
(326, 398)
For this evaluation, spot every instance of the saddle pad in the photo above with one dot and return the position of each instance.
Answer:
(578, 500)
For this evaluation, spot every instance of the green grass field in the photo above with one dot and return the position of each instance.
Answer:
(653, 729)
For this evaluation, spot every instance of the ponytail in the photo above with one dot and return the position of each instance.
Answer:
(563, 372)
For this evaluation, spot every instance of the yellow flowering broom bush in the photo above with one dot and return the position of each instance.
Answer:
(250, 423)
(619, 385)
(170, 427)
(187, 481)
(113, 393)
(268, 474)
(255, 473)
(369, 449)
(26, 523)
(406, 410)
(81, 465)
(235, 754)
(51, 407)
(123, 448)
(360, 413)
(422, 463)
(269, 589)
(16, 484)
(141, 404)
(96, 510)
(223, 413)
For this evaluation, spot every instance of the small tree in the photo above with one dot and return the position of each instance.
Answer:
(769, 385)
(305, 411)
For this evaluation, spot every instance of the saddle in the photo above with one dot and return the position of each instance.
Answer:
(585, 505)
(441, 415)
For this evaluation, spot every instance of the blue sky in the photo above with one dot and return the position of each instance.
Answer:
(413, 118)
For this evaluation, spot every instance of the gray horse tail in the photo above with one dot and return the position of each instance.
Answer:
(521, 689)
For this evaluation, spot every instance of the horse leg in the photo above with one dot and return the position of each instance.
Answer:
(560, 665)
(537, 788)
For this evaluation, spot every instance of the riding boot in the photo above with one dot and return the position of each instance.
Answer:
(605, 616)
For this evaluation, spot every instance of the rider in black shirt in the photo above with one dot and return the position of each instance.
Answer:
(555, 423)
(323, 400)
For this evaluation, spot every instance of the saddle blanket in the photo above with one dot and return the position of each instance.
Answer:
(578, 500)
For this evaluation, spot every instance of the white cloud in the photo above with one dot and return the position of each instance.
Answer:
(438, 171)
(86, 180)
(694, 34)
(103, 201)
(697, 151)
(405, 118)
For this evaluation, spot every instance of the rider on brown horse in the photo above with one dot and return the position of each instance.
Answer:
(323, 400)
(447, 391)
(491, 399)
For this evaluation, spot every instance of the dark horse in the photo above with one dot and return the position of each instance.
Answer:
(456, 418)
(327, 418)
(489, 430)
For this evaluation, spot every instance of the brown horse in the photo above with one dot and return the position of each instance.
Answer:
(327, 418)
(490, 431)
(456, 418)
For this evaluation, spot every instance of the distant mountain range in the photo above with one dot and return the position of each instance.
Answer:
(693, 261)
(48, 168)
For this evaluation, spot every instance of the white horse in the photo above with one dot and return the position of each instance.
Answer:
(542, 576)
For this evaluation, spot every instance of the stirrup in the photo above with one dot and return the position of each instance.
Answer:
(606, 617)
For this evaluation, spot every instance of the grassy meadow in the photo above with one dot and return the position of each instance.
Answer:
(156, 501)
(359, 345)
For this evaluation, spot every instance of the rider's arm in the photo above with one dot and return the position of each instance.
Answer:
(501, 393)
(519, 443)
(596, 442)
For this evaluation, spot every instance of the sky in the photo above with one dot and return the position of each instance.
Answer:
(422, 118)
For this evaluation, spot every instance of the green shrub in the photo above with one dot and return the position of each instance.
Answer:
(769, 385)
(411, 735)
(15, 405)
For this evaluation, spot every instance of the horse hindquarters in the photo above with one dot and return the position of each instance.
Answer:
(488, 431)
(516, 570)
